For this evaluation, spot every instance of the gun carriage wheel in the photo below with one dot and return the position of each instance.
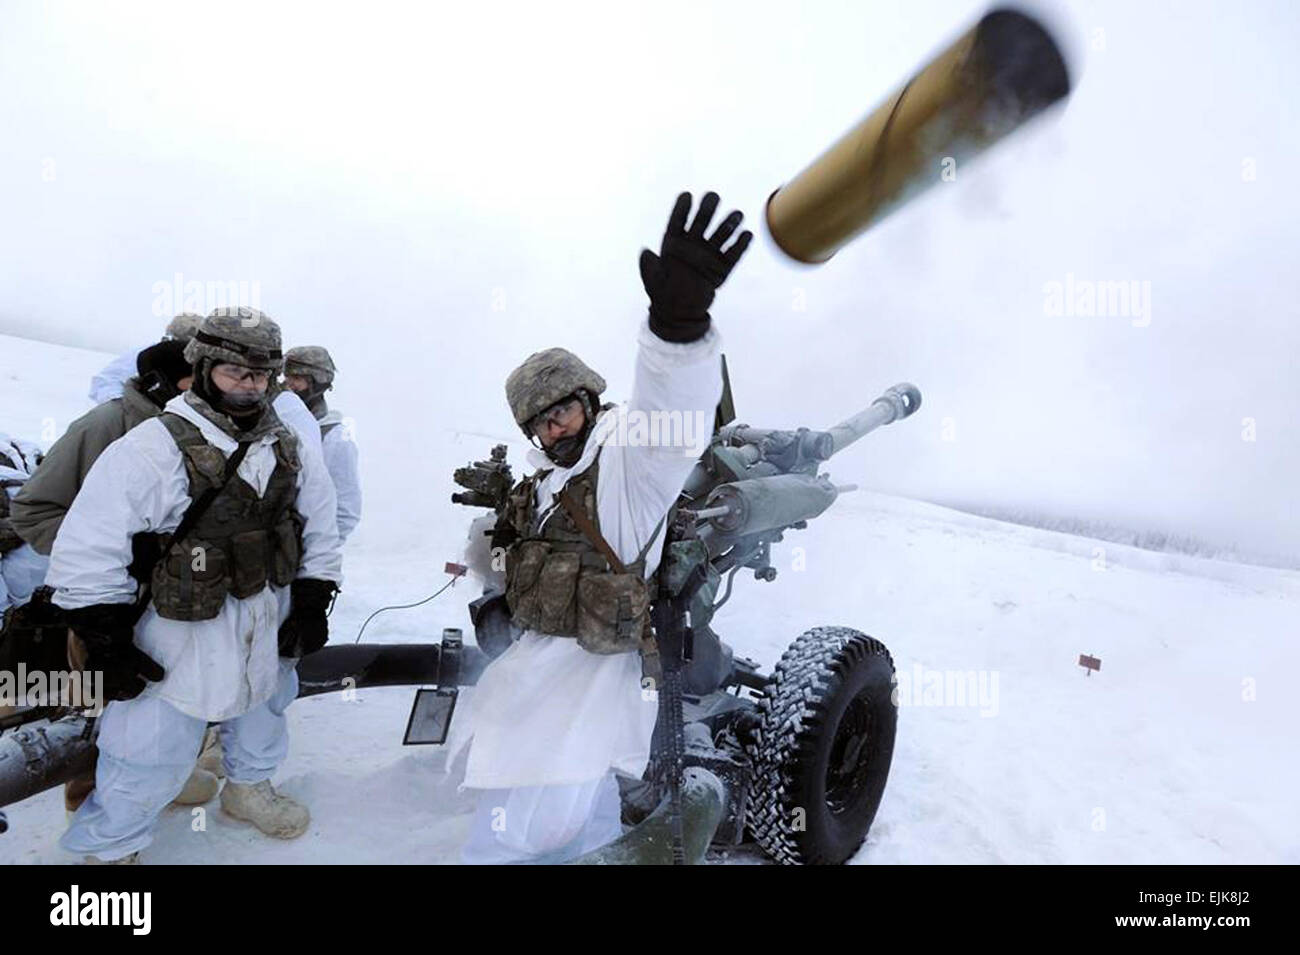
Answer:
(824, 747)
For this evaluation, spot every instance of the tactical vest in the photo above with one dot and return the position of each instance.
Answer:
(240, 543)
(558, 581)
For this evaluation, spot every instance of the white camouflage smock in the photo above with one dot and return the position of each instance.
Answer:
(546, 712)
(216, 669)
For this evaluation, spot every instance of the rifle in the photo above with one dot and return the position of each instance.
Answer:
(672, 639)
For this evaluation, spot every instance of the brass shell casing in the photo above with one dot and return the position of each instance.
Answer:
(993, 78)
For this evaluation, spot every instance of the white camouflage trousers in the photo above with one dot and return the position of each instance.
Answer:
(147, 750)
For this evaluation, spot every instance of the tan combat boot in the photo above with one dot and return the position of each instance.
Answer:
(199, 788)
(132, 859)
(274, 813)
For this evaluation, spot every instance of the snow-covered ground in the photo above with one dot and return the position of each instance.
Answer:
(1181, 749)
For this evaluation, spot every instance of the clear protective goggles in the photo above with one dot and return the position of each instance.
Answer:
(554, 415)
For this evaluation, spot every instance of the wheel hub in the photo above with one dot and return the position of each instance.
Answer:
(846, 771)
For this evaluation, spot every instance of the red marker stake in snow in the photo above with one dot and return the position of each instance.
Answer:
(1089, 663)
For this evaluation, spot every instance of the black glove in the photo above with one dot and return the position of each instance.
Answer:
(108, 631)
(689, 268)
(146, 551)
(306, 629)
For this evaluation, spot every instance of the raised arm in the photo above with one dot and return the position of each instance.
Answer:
(678, 379)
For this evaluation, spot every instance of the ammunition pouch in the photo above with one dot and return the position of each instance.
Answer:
(286, 552)
(551, 592)
(565, 581)
(613, 612)
(190, 582)
(193, 581)
(541, 587)
(239, 545)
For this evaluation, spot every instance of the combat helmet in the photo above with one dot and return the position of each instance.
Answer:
(311, 361)
(314, 363)
(182, 327)
(546, 377)
(237, 335)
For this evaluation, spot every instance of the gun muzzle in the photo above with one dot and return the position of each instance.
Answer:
(895, 404)
(997, 75)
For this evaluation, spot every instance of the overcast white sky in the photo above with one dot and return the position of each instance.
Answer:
(435, 191)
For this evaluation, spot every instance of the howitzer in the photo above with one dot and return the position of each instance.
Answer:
(747, 490)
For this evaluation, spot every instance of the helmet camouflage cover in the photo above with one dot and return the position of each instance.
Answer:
(544, 378)
(310, 361)
(183, 326)
(239, 335)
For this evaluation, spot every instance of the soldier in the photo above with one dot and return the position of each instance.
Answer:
(557, 715)
(110, 384)
(38, 511)
(234, 603)
(309, 371)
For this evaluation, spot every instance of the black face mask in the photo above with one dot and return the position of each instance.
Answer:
(242, 406)
(237, 403)
(567, 451)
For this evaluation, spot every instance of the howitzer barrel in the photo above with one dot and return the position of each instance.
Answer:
(39, 756)
(895, 404)
(352, 666)
(998, 74)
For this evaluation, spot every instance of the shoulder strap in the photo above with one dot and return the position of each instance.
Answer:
(193, 513)
(204, 501)
(589, 531)
(183, 432)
